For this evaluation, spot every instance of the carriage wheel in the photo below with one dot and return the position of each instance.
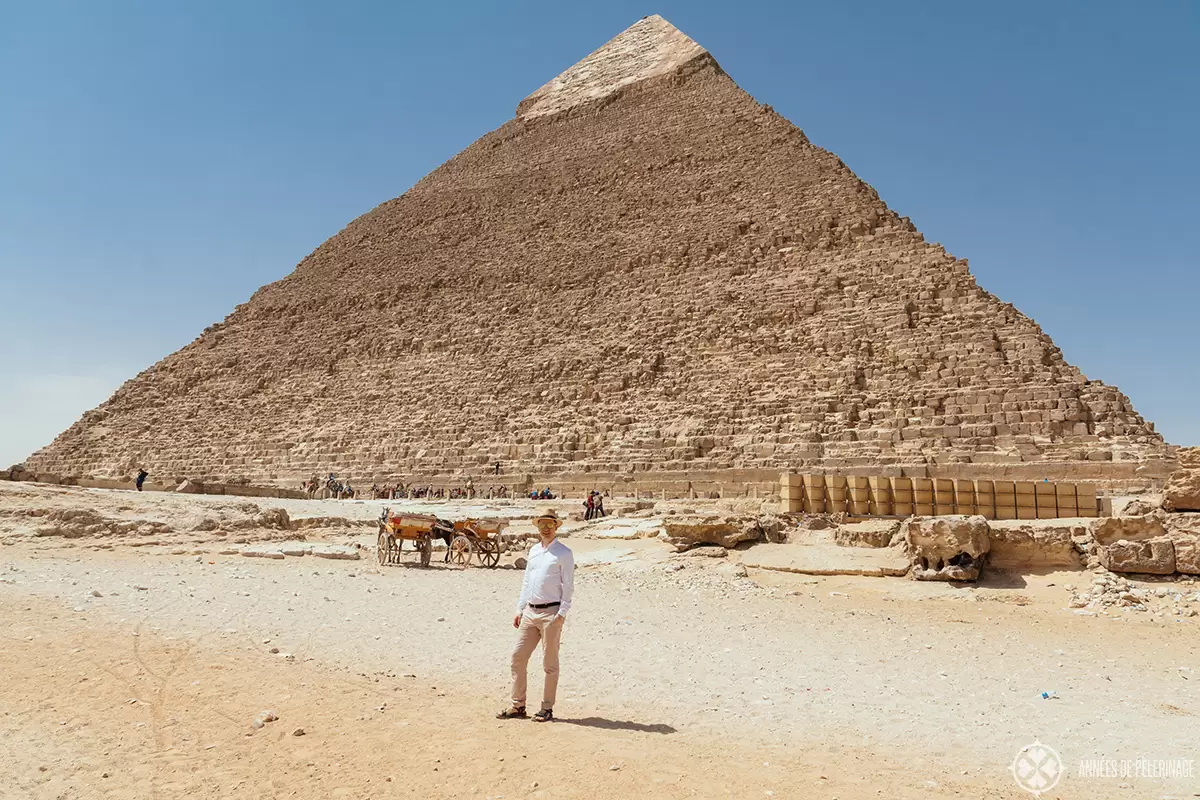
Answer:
(426, 547)
(489, 553)
(461, 551)
(382, 548)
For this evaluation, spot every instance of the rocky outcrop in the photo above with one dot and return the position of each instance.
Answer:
(951, 548)
(683, 533)
(1153, 556)
(17, 472)
(1108, 530)
(1136, 508)
(73, 523)
(871, 533)
(1184, 532)
(1035, 545)
(1182, 492)
(1134, 544)
(772, 529)
(188, 487)
(1187, 553)
(276, 518)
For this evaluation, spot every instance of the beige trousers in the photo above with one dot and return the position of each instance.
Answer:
(537, 625)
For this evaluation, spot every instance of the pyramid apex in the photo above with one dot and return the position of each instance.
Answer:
(647, 48)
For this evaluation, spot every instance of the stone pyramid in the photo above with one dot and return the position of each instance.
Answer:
(645, 275)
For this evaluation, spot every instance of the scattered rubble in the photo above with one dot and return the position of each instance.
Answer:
(1109, 591)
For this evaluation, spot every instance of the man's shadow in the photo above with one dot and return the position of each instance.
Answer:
(618, 725)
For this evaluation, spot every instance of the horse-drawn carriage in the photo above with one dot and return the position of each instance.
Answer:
(464, 539)
(477, 536)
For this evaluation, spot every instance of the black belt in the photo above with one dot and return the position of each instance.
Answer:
(539, 607)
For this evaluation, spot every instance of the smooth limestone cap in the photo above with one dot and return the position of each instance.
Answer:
(648, 48)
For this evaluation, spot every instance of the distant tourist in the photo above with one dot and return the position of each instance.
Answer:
(497, 467)
(599, 506)
(141, 478)
(589, 506)
(541, 611)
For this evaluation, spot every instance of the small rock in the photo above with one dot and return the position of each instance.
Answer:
(263, 718)
(520, 563)
(96, 593)
(298, 732)
(615, 767)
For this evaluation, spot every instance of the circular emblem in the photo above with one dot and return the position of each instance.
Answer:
(1037, 768)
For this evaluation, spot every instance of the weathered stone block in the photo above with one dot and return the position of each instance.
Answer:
(1154, 556)
(1107, 530)
(686, 532)
(1033, 545)
(951, 548)
(1182, 492)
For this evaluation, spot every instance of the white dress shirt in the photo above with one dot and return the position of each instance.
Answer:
(549, 577)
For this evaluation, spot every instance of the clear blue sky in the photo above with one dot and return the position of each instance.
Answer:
(160, 161)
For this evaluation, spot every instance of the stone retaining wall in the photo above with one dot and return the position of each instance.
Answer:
(879, 496)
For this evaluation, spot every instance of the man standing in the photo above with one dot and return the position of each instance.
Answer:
(141, 478)
(541, 611)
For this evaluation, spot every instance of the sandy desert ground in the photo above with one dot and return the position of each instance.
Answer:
(140, 646)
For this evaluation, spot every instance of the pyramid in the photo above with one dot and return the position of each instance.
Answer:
(645, 275)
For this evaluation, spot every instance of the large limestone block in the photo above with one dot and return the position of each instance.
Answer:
(949, 548)
(1154, 557)
(1034, 545)
(686, 532)
(188, 487)
(1187, 553)
(1182, 492)
(1184, 530)
(870, 533)
(1108, 530)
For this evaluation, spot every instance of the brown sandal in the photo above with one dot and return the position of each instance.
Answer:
(513, 712)
(545, 715)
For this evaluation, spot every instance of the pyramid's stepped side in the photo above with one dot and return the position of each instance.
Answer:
(664, 278)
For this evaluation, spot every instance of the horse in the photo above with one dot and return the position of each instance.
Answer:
(442, 529)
